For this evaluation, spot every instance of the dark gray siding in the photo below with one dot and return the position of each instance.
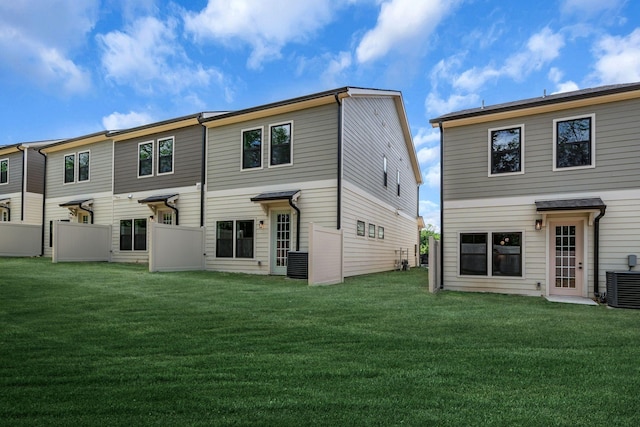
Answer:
(15, 174)
(314, 136)
(186, 169)
(35, 172)
(617, 125)
(372, 130)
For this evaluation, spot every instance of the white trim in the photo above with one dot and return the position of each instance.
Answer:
(290, 123)
(242, 131)
(234, 234)
(585, 253)
(490, 151)
(489, 232)
(153, 148)
(6, 160)
(592, 116)
(173, 155)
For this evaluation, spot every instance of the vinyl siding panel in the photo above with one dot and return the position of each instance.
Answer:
(33, 208)
(15, 174)
(35, 171)
(617, 154)
(187, 157)
(314, 138)
(15, 204)
(100, 172)
(362, 254)
(372, 130)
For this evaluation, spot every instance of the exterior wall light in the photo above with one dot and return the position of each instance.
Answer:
(261, 224)
(538, 224)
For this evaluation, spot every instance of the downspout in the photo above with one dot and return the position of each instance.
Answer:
(89, 211)
(24, 183)
(441, 206)
(596, 251)
(297, 223)
(44, 198)
(174, 209)
(203, 175)
(339, 204)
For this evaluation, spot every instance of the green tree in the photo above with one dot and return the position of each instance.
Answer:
(429, 230)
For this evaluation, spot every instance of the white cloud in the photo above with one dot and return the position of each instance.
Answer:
(148, 57)
(43, 53)
(426, 135)
(432, 176)
(428, 154)
(264, 26)
(117, 121)
(334, 72)
(430, 212)
(618, 59)
(436, 105)
(556, 76)
(402, 23)
(589, 8)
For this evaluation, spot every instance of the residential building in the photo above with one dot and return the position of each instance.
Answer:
(540, 196)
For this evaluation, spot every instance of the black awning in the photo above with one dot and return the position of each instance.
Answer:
(570, 204)
(4, 203)
(159, 199)
(78, 203)
(276, 195)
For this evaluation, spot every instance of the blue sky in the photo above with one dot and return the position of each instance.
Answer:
(70, 68)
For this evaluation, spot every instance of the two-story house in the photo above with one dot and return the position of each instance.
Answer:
(342, 159)
(540, 196)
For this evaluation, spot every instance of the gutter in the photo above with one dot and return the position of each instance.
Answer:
(89, 211)
(297, 223)
(596, 252)
(441, 206)
(339, 195)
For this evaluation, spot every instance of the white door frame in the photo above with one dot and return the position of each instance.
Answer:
(550, 240)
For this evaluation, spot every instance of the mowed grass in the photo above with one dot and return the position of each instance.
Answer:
(111, 344)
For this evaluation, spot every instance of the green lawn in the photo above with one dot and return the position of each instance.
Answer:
(111, 344)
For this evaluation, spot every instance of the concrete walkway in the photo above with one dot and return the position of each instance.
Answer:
(571, 300)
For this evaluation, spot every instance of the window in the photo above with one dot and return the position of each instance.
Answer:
(507, 254)
(83, 166)
(69, 168)
(360, 228)
(398, 181)
(384, 171)
(165, 156)
(252, 148)
(145, 159)
(372, 231)
(473, 254)
(574, 144)
(506, 150)
(133, 234)
(4, 171)
(244, 233)
(380, 232)
(4, 215)
(280, 144)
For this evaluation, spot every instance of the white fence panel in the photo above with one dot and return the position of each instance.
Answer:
(325, 255)
(20, 239)
(74, 242)
(435, 275)
(176, 248)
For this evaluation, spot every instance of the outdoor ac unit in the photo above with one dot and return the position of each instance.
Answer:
(623, 289)
(298, 265)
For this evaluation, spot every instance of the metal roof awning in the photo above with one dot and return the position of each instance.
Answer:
(4, 203)
(590, 205)
(276, 195)
(168, 198)
(82, 205)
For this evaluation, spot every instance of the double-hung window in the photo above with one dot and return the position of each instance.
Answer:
(165, 155)
(83, 166)
(235, 239)
(491, 254)
(4, 171)
(145, 159)
(574, 142)
(506, 146)
(252, 148)
(133, 234)
(69, 168)
(281, 145)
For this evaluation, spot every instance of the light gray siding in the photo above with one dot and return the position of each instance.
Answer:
(187, 157)
(314, 139)
(372, 130)
(15, 174)
(617, 155)
(100, 166)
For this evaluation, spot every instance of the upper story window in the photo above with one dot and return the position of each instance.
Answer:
(4, 171)
(76, 167)
(384, 171)
(506, 148)
(165, 155)
(574, 142)
(281, 146)
(145, 159)
(252, 148)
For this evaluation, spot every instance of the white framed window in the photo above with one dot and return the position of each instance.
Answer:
(251, 146)
(145, 159)
(4, 171)
(506, 150)
(83, 165)
(165, 217)
(491, 254)
(69, 168)
(165, 155)
(133, 234)
(574, 142)
(76, 167)
(281, 144)
(360, 228)
(384, 171)
(235, 239)
(372, 231)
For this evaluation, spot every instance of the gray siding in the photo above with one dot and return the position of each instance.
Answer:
(35, 171)
(372, 130)
(15, 174)
(617, 156)
(314, 136)
(186, 168)
(100, 166)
